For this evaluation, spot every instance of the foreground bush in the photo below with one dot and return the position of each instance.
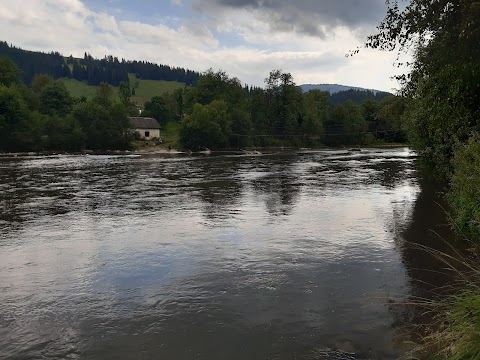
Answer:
(458, 334)
(454, 333)
(464, 195)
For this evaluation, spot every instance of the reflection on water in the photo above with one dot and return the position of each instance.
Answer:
(278, 256)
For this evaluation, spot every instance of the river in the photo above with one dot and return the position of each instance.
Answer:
(153, 256)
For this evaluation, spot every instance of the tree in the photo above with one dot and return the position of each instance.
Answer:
(377, 130)
(444, 80)
(157, 109)
(55, 99)
(13, 119)
(389, 119)
(443, 117)
(30, 98)
(125, 94)
(179, 95)
(52, 132)
(206, 127)
(465, 193)
(259, 112)
(218, 86)
(316, 112)
(214, 85)
(40, 81)
(346, 125)
(284, 102)
(104, 94)
(174, 104)
(104, 127)
(9, 72)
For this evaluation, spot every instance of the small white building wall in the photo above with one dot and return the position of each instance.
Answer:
(153, 133)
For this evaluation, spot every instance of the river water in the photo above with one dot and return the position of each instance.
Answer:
(273, 256)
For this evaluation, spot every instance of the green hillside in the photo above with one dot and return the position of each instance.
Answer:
(80, 88)
(144, 89)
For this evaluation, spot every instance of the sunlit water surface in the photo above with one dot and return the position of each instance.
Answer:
(276, 256)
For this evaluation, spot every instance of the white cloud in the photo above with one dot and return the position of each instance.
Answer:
(69, 27)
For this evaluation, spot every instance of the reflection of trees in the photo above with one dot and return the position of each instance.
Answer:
(428, 275)
(50, 186)
(219, 196)
(217, 184)
(391, 173)
(428, 228)
(13, 191)
(280, 186)
(95, 184)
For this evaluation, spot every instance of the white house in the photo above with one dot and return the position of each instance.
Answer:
(148, 128)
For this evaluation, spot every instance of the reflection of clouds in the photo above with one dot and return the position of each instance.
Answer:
(45, 272)
(180, 246)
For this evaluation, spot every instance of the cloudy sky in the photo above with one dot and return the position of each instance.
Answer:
(245, 38)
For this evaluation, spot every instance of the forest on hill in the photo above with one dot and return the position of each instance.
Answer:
(93, 71)
(342, 93)
(357, 96)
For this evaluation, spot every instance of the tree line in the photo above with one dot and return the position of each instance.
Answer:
(45, 117)
(93, 71)
(222, 113)
(217, 113)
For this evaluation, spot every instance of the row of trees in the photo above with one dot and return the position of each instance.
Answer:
(46, 117)
(216, 113)
(221, 113)
(93, 71)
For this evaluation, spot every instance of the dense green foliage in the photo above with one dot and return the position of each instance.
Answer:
(157, 109)
(464, 195)
(444, 84)
(110, 69)
(9, 73)
(46, 117)
(208, 126)
(280, 115)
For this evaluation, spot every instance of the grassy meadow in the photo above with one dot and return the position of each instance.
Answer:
(144, 89)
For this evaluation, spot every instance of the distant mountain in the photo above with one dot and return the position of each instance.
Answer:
(335, 88)
(341, 93)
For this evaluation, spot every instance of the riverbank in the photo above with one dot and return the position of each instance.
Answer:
(453, 332)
